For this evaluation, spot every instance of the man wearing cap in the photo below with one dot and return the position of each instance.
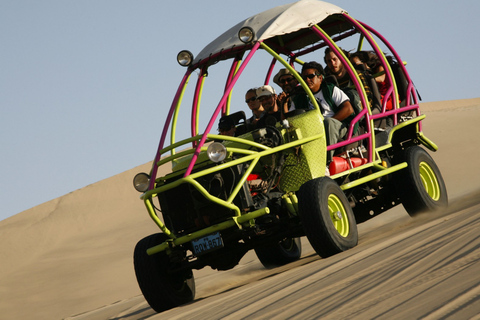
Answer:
(268, 98)
(291, 97)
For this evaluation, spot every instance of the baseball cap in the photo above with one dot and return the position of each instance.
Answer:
(265, 90)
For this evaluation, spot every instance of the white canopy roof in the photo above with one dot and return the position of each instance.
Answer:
(277, 21)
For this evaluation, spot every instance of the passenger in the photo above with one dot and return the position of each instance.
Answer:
(333, 102)
(226, 126)
(290, 98)
(374, 65)
(254, 105)
(360, 58)
(380, 78)
(268, 98)
(336, 68)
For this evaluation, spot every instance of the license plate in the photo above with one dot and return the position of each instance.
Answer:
(207, 244)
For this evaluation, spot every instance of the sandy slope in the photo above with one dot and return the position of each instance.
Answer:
(73, 253)
(72, 256)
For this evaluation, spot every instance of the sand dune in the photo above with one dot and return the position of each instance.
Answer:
(72, 256)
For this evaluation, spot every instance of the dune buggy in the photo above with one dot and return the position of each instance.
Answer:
(265, 188)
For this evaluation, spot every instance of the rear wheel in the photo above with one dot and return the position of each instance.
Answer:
(286, 251)
(420, 186)
(162, 288)
(327, 217)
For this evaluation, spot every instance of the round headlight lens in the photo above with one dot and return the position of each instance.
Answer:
(141, 182)
(246, 34)
(185, 58)
(217, 152)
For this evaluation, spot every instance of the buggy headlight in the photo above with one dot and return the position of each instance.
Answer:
(246, 34)
(185, 58)
(141, 182)
(216, 152)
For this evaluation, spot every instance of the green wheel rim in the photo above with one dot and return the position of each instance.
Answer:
(338, 215)
(430, 181)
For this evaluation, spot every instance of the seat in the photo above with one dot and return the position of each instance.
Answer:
(240, 121)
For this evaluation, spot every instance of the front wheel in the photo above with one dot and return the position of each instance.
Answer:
(281, 253)
(327, 217)
(162, 287)
(420, 186)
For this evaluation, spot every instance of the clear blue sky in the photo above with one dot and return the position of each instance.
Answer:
(84, 85)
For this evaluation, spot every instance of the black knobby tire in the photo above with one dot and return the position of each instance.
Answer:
(327, 217)
(286, 251)
(162, 289)
(420, 186)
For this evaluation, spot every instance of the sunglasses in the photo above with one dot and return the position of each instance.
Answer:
(310, 76)
(251, 99)
(285, 80)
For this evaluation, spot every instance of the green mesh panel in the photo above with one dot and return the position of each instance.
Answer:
(309, 161)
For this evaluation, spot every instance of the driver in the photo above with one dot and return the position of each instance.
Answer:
(226, 126)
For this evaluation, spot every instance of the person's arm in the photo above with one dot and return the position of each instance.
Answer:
(345, 108)
(282, 101)
(345, 111)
